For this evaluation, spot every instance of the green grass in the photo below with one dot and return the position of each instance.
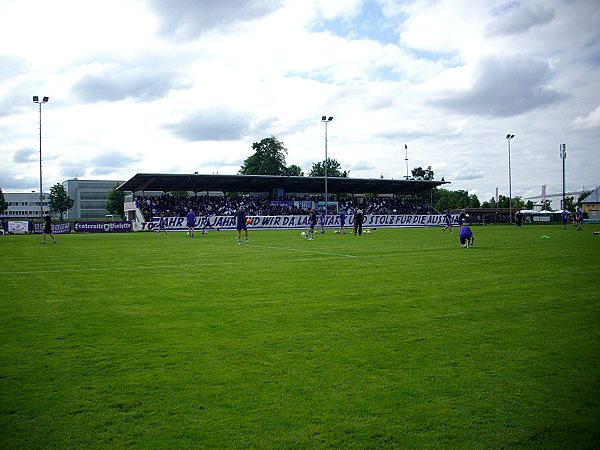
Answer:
(397, 339)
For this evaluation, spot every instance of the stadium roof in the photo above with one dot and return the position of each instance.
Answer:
(148, 182)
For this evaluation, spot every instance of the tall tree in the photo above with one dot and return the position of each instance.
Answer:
(570, 203)
(3, 203)
(115, 202)
(583, 195)
(333, 169)
(294, 171)
(59, 200)
(268, 158)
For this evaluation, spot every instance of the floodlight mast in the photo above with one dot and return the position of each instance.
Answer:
(563, 156)
(37, 100)
(508, 138)
(326, 120)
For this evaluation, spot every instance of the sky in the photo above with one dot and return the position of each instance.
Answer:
(184, 86)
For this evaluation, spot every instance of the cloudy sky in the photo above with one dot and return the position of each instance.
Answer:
(183, 86)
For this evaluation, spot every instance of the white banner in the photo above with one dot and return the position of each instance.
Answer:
(300, 222)
(20, 226)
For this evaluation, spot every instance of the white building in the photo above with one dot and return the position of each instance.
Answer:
(89, 198)
(24, 205)
(89, 201)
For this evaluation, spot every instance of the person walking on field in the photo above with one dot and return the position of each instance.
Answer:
(358, 221)
(448, 221)
(578, 218)
(48, 227)
(312, 222)
(191, 222)
(241, 224)
(564, 217)
(342, 222)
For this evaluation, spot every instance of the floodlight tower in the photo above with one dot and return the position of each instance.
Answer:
(508, 138)
(563, 156)
(326, 120)
(37, 100)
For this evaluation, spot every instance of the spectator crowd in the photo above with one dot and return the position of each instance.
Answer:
(204, 205)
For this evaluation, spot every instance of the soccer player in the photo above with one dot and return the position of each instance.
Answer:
(466, 236)
(322, 222)
(312, 221)
(519, 219)
(358, 221)
(448, 220)
(461, 217)
(48, 227)
(564, 217)
(578, 218)
(191, 222)
(161, 224)
(241, 224)
(342, 222)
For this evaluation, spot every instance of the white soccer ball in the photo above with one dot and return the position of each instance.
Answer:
(303, 234)
(466, 215)
(368, 231)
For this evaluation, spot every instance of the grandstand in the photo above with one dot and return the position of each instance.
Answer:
(269, 195)
(154, 182)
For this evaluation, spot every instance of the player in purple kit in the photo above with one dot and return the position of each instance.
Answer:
(312, 221)
(191, 222)
(448, 221)
(342, 222)
(564, 217)
(466, 236)
(578, 218)
(240, 219)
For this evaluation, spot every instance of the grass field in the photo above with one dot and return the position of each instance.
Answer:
(397, 339)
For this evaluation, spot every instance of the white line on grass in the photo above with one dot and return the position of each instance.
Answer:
(165, 266)
(331, 254)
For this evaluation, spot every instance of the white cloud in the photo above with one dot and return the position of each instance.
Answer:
(588, 121)
(158, 86)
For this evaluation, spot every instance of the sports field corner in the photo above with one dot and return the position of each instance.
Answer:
(399, 338)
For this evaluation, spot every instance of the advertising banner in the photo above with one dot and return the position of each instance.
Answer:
(299, 222)
(57, 228)
(18, 226)
(103, 227)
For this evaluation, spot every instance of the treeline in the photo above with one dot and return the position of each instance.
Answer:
(444, 199)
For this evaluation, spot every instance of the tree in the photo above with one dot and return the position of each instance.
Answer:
(333, 169)
(490, 204)
(529, 204)
(569, 204)
(474, 201)
(115, 202)
(3, 204)
(268, 159)
(583, 195)
(419, 173)
(444, 199)
(59, 200)
(294, 171)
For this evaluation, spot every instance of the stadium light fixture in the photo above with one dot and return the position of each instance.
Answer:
(508, 138)
(36, 99)
(326, 120)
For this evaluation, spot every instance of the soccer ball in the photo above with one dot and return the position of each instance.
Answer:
(368, 231)
(335, 231)
(249, 221)
(303, 234)
(467, 216)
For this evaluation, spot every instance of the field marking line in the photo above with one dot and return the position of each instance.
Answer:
(164, 266)
(316, 252)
